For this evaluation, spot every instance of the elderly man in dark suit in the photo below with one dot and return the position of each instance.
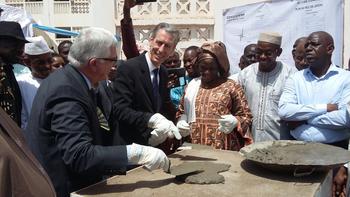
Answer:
(109, 126)
(63, 130)
(141, 96)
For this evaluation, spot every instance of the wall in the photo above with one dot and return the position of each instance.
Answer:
(102, 14)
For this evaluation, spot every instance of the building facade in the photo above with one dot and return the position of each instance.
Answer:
(193, 18)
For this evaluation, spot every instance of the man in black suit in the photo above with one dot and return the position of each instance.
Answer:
(63, 130)
(105, 103)
(141, 96)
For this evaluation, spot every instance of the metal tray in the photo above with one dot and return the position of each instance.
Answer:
(302, 158)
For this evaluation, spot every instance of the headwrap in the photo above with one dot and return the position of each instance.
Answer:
(217, 51)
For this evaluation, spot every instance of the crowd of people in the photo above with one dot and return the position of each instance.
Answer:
(84, 114)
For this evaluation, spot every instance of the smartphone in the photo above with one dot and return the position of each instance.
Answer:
(145, 1)
(175, 75)
(179, 72)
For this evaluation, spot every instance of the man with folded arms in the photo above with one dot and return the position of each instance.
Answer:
(314, 100)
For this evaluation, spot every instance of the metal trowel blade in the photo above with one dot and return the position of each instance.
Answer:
(188, 173)
(182, 173)
(185, 173)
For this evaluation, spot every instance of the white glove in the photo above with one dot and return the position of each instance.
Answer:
(227, 123)
(183, 126)
(157, 137)
(163, 125)
(151, 158)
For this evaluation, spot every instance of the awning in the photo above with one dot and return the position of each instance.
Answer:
(56, 30)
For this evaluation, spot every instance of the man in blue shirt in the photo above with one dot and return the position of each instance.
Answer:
(314, 100)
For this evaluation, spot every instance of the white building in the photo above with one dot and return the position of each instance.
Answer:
(199, 21)
(71, 15)
(194, 18)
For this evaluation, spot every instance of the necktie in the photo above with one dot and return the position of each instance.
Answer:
(101, 118)
(156, 88)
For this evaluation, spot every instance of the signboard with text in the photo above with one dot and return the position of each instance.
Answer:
(291, 18)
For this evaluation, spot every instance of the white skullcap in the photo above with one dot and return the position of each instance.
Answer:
(271, 37)
(37, 46)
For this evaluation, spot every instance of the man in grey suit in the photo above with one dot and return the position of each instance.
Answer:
(63, 130)
(141, 96)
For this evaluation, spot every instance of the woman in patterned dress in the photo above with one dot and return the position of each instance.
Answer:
(214, 110)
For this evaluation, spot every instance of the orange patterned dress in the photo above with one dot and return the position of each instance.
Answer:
(227, 98)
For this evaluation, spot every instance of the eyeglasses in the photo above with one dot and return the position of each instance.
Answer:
(108, 59)
(114, 60)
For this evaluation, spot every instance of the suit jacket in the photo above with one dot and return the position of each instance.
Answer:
(134, 103)
(64, 134)
(21, 173)
(105, 98)
(105, 103)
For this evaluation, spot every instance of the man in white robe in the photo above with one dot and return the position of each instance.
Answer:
(263, 83)
(38, 58)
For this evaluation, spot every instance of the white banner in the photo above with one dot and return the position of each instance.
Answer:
(291, 18)
(18, 15)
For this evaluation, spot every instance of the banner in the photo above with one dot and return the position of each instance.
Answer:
(19, 15)
(291, 18)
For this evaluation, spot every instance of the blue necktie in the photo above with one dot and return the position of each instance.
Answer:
(156, 88)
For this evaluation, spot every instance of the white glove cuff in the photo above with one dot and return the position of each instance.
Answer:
(133, 153)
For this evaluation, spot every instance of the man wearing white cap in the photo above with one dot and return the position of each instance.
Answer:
(38, 59)
(263, 83)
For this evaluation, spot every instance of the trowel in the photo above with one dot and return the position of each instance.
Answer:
(180, 173)
(183, 173)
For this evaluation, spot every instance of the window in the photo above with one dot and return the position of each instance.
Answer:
(63, 36)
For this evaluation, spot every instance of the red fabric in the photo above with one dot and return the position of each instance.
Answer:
(226, 98)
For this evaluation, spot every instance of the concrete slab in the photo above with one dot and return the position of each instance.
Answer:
(242, 179)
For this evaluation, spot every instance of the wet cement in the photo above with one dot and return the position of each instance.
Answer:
(200, 172)
(290, 153)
